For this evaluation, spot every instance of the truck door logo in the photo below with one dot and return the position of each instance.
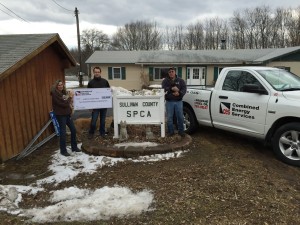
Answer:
(225, 108)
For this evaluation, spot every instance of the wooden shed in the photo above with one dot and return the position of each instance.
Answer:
(29, 65)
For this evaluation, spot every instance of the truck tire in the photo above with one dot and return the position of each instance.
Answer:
(286, 143)
(190, 121)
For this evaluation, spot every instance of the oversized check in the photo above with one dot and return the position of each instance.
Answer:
(92, 98)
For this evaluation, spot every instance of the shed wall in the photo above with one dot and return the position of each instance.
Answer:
(26, 102)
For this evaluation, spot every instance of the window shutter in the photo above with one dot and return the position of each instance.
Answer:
(150, 73)
(216, 73)
(179, 72)
(110, 73)
(123, 69)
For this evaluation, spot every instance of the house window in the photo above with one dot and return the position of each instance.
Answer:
(203, 73)
(217, 71)
(161, 73)
(196, 73)
(117, 73)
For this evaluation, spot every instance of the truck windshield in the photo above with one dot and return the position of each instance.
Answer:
(281, 80)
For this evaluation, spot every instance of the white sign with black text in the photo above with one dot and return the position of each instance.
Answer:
(139, 109)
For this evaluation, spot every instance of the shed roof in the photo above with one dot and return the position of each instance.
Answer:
(17, 49)
(237, 56)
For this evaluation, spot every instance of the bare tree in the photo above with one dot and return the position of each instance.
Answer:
(168, 43)
(250, 38)
(93, 39)
(194, 37)
(239, 28)
(151, 37)
(293, 27)
(178, 37)
(224, 34)
(263, 25)
(215, 29)
(262, 28)
(138, 35)
(258, 27)
(175, 38)
(210, 34)
(278, 29)
(253, 29)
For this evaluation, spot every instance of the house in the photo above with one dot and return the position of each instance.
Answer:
(135, 69)
(29, 65)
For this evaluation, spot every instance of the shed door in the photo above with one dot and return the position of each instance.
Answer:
(196, 76)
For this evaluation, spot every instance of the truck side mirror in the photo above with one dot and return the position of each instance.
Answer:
(254, 88)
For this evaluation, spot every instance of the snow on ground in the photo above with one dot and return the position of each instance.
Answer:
(76, 204)
(75, 84)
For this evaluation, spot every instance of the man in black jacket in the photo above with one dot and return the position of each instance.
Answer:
(98, 82)
(175, 89)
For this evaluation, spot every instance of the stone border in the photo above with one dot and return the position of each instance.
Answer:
(135, 151)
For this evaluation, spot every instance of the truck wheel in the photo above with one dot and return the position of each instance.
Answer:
(286, 143)
(190, 122)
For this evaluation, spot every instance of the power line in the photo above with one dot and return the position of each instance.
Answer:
(62, 6)
(13, 13)
(6, 12)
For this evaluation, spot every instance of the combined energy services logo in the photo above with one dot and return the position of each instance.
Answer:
(225, 108)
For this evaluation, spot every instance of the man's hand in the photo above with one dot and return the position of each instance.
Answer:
(176, 93)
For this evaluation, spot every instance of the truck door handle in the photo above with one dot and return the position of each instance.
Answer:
(223, 97)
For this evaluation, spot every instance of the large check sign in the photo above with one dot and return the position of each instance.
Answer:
(92, 98)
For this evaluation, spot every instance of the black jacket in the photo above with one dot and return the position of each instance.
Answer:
(167, 84)
(98, 83)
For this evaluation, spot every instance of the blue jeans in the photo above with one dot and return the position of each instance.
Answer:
(64, 121)
(95, 114)
(177, 108)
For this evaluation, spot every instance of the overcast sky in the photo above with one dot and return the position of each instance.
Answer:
(57, 16)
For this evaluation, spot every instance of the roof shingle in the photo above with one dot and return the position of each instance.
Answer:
(237, 56)
(14, 48)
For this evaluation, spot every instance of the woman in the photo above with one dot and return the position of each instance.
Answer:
(61, 106)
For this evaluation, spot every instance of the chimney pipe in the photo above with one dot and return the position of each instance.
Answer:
(223, 44)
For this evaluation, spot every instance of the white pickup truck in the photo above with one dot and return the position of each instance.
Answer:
(260, 102)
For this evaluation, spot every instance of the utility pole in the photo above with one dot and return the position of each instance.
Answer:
(80, 74)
